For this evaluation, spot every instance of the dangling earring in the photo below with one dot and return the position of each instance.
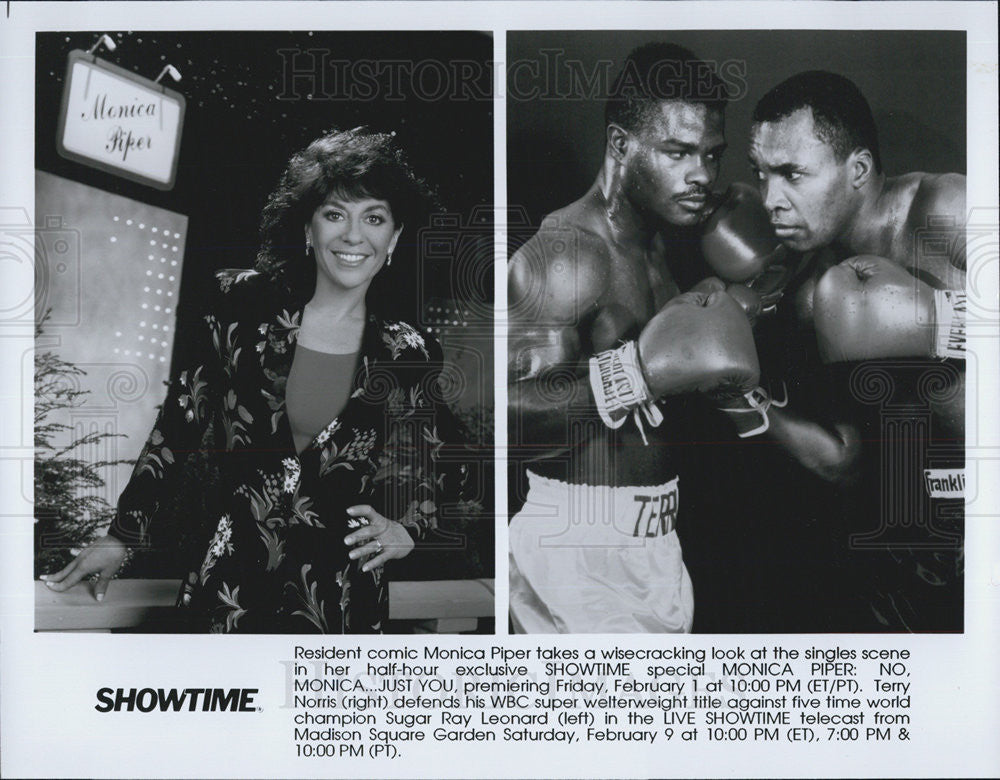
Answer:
(392, 245)
(309, 246)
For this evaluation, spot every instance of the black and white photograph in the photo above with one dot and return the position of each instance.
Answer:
(263, 364)
(425, 388)
(736, 347)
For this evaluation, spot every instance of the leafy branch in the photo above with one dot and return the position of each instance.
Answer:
(68, 511)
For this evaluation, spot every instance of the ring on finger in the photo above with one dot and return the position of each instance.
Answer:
(380, 546)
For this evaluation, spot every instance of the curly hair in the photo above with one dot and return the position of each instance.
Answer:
(352, 164)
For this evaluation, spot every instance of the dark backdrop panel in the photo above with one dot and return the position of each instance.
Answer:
(914, 81)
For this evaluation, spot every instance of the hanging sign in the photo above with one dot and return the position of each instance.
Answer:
(120, 122)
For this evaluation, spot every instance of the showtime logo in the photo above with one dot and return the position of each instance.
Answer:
(174, 699)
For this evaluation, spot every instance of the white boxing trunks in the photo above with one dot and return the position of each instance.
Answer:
(597, 559)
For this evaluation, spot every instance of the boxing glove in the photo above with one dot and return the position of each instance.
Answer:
(709, 285)
(748, 411)
(748, 299)
(698, 342)
(737, 239)
(770, 285)
(801, 298)
(868, 307)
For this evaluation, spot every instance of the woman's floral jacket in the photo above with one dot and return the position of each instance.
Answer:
(275, 560)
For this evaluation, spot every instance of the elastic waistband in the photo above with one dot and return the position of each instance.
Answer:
(547, 485)
(634, 511)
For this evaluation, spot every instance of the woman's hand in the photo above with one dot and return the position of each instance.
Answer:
(382, 538)
(104, 557)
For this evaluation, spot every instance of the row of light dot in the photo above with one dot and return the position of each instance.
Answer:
(160, 275)
(444, 313)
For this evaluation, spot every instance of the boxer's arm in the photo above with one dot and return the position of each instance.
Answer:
(830, 450)
(550, 295)
(817, 433)
(826, 445)
(937, 223)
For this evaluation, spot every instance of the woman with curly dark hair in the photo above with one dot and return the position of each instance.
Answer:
(322, 401)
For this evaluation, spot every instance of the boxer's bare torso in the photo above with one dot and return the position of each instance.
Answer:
(576, 265)
(595, 274)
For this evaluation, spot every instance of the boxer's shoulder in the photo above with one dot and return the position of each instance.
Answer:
(912, 206)
(564, 266)
(918, 196)
(935, 209)
(937, 195)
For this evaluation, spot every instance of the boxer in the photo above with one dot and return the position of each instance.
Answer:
(603, 350)
(873, 289)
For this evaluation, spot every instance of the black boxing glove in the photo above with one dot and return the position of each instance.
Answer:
(698, 342)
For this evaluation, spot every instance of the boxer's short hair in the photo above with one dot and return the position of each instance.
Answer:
(656, 72)
(842, 117)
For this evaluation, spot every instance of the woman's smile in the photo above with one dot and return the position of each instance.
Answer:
(351, 258)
